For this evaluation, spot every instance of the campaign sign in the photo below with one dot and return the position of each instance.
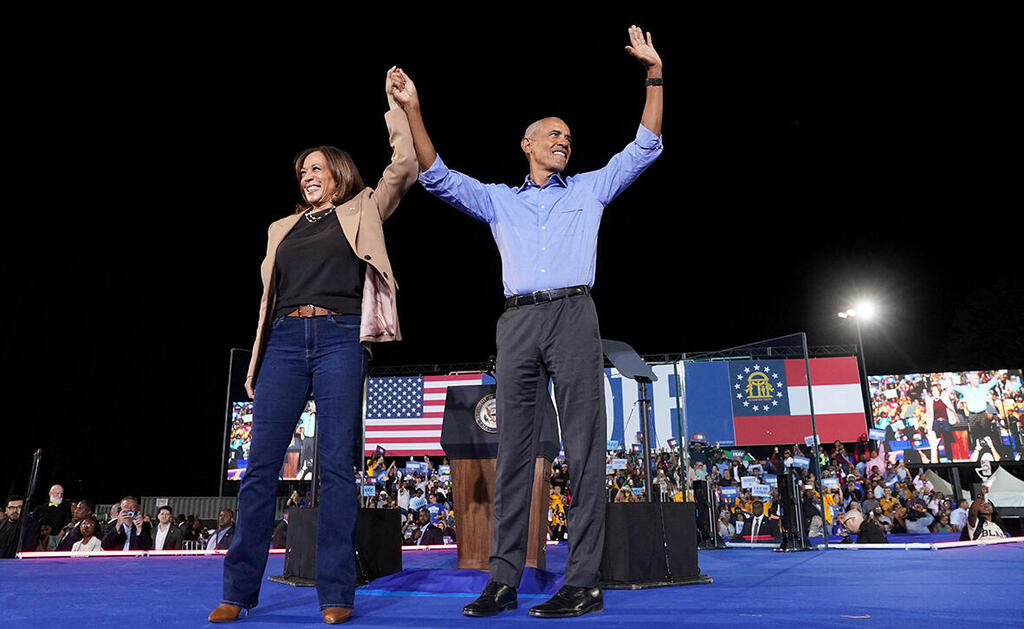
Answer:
(747, 482)
(608, 469)
(809, 440)
(619, 464)
(737, 455)
(444, 469)
(636, 447)
(672, 443)
(831, 483)
(761, 491)
(771, 479)
(613, 445)
(729, 492)
(801, 461)
(637, 491)
(369, 490)
(876, 434)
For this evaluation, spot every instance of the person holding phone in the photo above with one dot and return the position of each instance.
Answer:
(129, 531)
(328, 292)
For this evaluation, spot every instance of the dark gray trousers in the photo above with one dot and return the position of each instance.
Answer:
(559, 339)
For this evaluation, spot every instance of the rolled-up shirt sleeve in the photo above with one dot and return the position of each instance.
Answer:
(624, 167)
(461, 191)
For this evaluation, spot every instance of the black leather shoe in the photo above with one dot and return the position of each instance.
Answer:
(496, 597)
(570, 601)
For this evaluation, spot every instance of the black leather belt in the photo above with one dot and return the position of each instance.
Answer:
(544, 296)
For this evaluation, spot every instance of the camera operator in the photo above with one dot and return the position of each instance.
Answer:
(129, 531)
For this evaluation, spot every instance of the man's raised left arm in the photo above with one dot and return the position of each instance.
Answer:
(643, 51)
(626, 166)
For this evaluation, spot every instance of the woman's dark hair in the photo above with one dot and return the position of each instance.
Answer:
(343, 169)
(97, 531)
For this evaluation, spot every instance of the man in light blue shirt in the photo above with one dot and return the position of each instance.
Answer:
(546, 232)
(980, 429)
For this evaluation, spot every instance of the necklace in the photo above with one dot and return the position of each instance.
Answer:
(312, 219)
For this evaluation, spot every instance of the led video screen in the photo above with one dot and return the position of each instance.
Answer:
(298, 458)
(950, 417)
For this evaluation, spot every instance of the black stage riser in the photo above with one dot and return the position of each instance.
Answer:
(650, 545)
(378, 544)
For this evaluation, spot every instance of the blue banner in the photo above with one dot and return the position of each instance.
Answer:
(613, 445)
(729, 492)
(801, 461)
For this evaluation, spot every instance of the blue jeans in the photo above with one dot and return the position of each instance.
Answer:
(322, 356)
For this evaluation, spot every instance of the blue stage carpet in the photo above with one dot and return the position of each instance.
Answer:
(752, 587)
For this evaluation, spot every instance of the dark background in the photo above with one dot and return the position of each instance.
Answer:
(809, 160)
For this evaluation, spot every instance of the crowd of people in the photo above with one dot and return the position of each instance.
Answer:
(862, 492)
(420, 490)
(74, 526)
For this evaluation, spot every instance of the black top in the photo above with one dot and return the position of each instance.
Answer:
(316, 265)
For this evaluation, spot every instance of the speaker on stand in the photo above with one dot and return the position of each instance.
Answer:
(794, 535)
(647, 544)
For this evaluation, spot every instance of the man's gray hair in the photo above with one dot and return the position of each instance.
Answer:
(530, 130)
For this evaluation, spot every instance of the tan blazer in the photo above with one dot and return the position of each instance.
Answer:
(361, 219)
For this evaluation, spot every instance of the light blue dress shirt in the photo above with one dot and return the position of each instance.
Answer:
(546, 235)
(976, 397)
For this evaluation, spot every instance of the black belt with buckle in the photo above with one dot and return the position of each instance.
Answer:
(544, 296)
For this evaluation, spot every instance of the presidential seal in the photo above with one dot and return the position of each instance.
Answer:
(486, 413)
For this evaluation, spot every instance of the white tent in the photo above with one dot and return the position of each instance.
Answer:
(940, 485)
(1005, 489)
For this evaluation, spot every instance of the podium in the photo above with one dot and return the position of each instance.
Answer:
(469, 436)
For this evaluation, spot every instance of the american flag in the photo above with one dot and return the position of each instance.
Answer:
(404, 414)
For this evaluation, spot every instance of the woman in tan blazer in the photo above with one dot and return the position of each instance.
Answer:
(328, 291)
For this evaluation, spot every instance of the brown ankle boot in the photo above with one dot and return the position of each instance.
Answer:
(225, 613)
(336, 615)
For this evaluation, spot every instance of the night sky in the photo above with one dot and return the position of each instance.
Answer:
(805, 165)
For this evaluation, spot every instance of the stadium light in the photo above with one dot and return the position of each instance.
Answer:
(867, 310)
(864, 310)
